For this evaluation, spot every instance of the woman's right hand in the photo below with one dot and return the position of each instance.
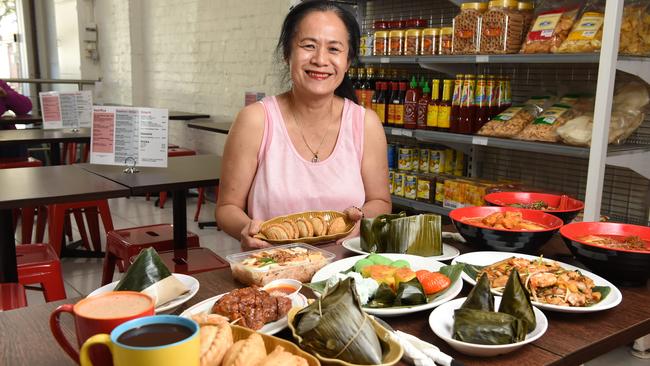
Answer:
(248, 242)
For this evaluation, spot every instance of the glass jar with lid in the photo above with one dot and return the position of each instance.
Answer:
(527, 10)
(430, 40)
(412, 44)
(396, 42)
(446, 41)
(466, 35)
(502, 28)
(381, 43)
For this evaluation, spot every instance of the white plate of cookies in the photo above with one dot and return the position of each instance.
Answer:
(306, 227)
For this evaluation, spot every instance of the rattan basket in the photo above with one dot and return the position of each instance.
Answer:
(328, 216)
(271, 342)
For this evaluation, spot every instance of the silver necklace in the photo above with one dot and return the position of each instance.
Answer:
(315, 158)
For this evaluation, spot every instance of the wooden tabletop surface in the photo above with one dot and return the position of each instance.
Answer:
(212, 126)
(571, 339)
(181, 173)
(39, 135)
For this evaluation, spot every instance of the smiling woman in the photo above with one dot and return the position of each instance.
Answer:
(313, 147)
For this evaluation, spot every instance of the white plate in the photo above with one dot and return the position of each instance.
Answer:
(189, 282)
(416, 262)
(448, 251)
(205, 306)
(441, 322)
(486, 258)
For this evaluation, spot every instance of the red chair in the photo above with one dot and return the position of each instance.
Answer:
(196, 260)
(12, 296)
(173, 152)
(125, 243)
(91, 209)
(39, 264)
(26, 213)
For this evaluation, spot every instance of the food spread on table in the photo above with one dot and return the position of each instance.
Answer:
(546, 280)
(630, 242)
(252, 307)
(508, 220)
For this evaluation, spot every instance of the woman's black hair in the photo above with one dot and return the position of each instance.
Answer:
(298, 13)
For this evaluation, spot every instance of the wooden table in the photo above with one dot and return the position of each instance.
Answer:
(571, 339)
(42, 136)
(212, 126)
(22, 187)
(182, 172)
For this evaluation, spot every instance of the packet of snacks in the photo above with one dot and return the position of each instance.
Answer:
(544, 127)
(554, 21)
(587, 33)
(635, 28)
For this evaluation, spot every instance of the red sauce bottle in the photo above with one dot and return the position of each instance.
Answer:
(455, 104)
(399, 105)
(480, 102)
(380, 105)
(423, 105)
(467, 108)
(411, 98)
(491, 91)
(394, 95)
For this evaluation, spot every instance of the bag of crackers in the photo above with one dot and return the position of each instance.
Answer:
(635, 28)
(555, 19)
(544, 127)
(587, 33)
(511, 121)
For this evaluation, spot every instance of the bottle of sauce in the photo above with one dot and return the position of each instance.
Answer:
(491, 93)
(432, 107)
(445, 106)
(369, 87)
(411, 99)
(394, 96)
(423, 105)
(467, 110)
(480, 101)
(508, 89)
(359, 88)
(399, 105)
(501, 96)
(380, 104)
(455, 104)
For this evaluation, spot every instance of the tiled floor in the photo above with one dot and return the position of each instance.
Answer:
(82, 276)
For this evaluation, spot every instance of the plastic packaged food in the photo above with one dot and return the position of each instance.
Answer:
(466, 35)
(412, 43)
(396, 43)
(294, 261)
(552, 25)
(510, 122)
(381, 43)
(527, 11)
(430, 40)
(502, 28)
(446, 41)
(635, 28)
(587, 33)
(544, 127)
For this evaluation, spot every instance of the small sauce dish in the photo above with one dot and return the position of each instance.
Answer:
(283, 287)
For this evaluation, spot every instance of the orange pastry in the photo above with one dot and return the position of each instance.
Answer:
(305, 228)
(289, 229)
(337, 226)
(319, 226)
(276, 232)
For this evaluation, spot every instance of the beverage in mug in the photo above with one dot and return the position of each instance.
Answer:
(100, 314)
(161, 340)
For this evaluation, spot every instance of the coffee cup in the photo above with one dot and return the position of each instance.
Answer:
(161, 340)
(99, 314)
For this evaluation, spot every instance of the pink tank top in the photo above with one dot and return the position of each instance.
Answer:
(285, 183)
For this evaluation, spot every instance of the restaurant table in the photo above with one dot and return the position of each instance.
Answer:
(182, 172)
(23, 119)
(37, 186)
(212, 126)
(42, 136)
(571, 339)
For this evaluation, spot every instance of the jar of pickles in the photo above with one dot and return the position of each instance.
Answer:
(446, 41)
(412, 44)
(430, 40)
(466, 35)
(396, 42)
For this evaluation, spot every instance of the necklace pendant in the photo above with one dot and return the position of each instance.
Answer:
(314, 159)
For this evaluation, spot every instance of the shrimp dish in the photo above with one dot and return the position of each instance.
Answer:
(546, 281)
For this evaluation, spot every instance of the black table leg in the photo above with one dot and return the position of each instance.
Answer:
(180, 226)
(8, 266)
(55, 153)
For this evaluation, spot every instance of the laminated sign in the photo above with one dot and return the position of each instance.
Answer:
(66, 109)
(120, 134)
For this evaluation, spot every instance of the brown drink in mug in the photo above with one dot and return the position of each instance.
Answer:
(100, 314)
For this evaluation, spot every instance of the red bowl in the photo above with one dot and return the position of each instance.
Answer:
(631, 267)
(520, 241)
(567, 213)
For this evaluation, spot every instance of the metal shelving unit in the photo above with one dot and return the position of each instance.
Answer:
(420, 206)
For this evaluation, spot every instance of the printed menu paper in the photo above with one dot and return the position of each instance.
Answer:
(66, 109)
(120, 133)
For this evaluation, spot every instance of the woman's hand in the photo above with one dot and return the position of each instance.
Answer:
(355, 215)
(248, 242)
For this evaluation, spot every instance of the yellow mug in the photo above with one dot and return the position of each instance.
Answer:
(161, 340)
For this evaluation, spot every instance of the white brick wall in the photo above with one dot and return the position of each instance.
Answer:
(197, 56)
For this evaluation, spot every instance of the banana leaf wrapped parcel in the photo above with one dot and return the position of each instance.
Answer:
(398, 233)
(335, 326)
